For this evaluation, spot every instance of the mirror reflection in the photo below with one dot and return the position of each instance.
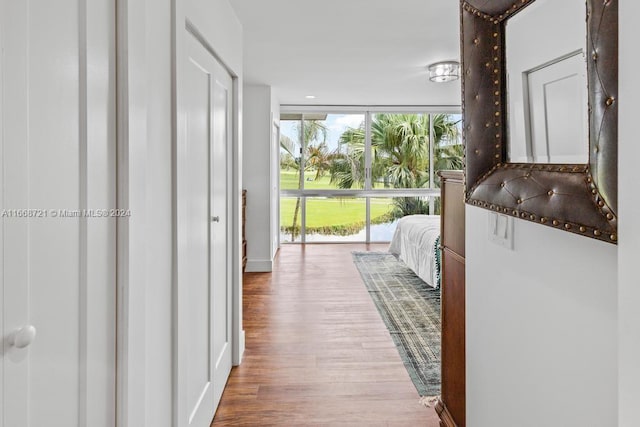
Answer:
(547, 83)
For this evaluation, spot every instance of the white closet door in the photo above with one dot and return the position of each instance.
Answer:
(204, 285)
(57, 121)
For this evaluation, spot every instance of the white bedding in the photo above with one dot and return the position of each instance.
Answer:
(414, 243)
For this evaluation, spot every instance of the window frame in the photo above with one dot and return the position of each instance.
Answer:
(367, 192)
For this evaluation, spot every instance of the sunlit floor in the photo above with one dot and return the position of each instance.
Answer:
(317, 351)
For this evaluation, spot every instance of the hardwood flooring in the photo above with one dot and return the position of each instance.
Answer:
(317, 351)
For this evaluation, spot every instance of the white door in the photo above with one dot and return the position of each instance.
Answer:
(559, 131)
(203, 232)
(57, 162)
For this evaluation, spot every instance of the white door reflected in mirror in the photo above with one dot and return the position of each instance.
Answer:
(547, 83)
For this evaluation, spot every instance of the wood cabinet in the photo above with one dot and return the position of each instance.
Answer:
(451, 405)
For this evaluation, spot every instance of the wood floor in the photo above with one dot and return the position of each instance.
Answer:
(317, 351)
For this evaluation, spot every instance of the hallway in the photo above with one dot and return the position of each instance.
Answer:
(317, 351)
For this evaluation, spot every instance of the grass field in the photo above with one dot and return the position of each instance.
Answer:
(327, 212)
(340, 216)
(290, 180)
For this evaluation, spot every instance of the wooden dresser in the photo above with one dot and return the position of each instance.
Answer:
(451, 405)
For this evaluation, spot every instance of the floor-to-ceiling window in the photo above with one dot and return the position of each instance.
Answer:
(348, 176)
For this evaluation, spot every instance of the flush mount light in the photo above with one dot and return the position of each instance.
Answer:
(310, 97)
(444, 71)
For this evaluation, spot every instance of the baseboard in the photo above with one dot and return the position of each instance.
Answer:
(259, 266)
(446, 420)
(241, 347)
(239, 350)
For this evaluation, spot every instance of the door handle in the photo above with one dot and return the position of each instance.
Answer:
(23, 337)
(215, 218)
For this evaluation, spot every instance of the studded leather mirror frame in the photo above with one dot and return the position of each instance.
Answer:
(580, 198)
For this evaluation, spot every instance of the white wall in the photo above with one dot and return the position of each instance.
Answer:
(260, 108)
(219, 25)
(593, 404)
(541, 328)
(629, 246)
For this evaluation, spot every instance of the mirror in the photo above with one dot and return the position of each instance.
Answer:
(546, 79)
(567, 181)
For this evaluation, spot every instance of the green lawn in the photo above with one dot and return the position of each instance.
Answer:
(331, 215)
(333, 212)
(290, 180)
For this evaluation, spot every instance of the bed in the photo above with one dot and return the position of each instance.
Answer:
(416, 243)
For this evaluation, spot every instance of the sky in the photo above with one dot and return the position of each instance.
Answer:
(336, 124)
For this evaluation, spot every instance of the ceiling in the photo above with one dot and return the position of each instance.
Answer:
(350, 52)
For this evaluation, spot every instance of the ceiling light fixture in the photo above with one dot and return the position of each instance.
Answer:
(445, 71)
(310, 97)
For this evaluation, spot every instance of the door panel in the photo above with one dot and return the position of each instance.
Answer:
(58, 161)
(220, 231)
(203, 233)
(197, 230)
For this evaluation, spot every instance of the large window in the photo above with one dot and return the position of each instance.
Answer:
(350, 176)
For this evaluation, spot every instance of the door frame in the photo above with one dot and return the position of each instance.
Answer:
(275, 170)
(131, 193)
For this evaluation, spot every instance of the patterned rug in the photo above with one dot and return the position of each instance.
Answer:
(411, 310)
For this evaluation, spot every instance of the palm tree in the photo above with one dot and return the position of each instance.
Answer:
(347, 169)
(288, 160)
(399, 151)
(319, 159)
(400, 154)
(313, 131)
(448, 157)
(448, 150)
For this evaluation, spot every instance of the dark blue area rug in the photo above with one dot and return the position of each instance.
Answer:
(411, 310)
